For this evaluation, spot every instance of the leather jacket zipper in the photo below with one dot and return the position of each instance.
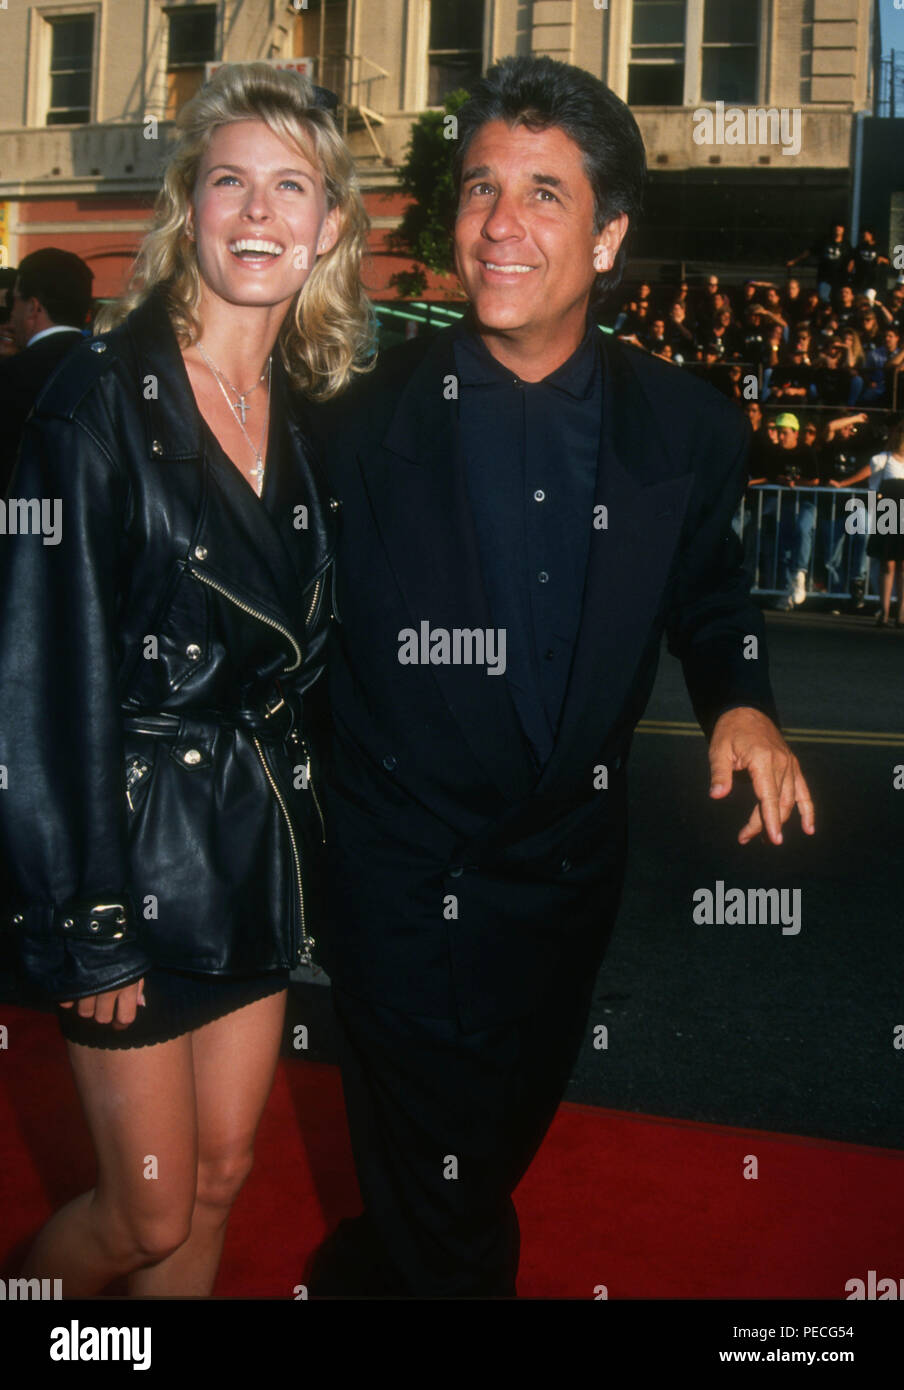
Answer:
(314, 599)
(134, 773)
(310, 782)
(305, 950)
(253, 612)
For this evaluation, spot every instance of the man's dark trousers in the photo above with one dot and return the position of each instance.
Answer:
(444, 1123)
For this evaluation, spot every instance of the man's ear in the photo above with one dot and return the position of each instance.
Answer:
(607, 242)
(329, 232)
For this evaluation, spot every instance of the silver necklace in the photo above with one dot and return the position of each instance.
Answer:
(257, 472)
(221, 376)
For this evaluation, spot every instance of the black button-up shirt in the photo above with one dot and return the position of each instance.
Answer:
(531, 451)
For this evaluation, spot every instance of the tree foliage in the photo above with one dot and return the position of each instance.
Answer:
(425, 232)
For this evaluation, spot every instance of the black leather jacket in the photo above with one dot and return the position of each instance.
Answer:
(159, 806)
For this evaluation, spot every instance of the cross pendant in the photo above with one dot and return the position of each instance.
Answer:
(242, 407)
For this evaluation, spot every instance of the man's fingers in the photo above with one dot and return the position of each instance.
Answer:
(767, 782)
(720, 763)
(753, 827)
(804, 802)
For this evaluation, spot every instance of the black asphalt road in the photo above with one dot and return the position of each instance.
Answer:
(747, 1025)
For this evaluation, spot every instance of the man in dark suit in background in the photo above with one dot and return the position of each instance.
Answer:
(527, 506)
(49, 304)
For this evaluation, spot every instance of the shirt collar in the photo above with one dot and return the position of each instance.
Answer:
(54, 328)
(478, 367)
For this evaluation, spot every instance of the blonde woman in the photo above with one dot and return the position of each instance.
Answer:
(162, 818)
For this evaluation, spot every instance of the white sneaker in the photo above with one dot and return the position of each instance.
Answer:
(800, 588)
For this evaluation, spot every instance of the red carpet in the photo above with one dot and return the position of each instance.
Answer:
(649, 1207)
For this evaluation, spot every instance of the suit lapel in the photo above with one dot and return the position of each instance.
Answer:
(627, 566)
(417, 490)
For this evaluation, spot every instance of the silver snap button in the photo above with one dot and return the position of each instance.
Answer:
(543, 577)
(120, 920)
(200, 552)
(539, 495)
(95, 926)
(193, 651)
(335, 504)
(156, 447)
(98, 346)
(68, 924)
(18, 919)
(191, 756)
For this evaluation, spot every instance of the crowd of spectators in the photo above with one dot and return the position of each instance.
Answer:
(820, 374)
(840, 344)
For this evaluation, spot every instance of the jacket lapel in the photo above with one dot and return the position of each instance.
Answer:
(627, 566)
(262, 528)
(418, 493)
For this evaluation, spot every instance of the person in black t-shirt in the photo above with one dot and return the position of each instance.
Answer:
(867, 260)
(842, 463)
(834, 256)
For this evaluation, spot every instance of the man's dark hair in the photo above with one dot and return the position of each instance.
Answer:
(60, 281)
(539, 93)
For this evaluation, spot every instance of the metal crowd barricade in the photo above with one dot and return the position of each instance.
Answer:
(780, 525)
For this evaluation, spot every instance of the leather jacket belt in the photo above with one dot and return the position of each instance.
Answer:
(276, 719)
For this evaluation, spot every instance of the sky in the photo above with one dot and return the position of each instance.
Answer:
(892, 27)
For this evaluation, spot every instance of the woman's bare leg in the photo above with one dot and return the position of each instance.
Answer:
(234, 1062)
(887, 580)
(140, 1108)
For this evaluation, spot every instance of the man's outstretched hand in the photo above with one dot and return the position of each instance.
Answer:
(746, 739)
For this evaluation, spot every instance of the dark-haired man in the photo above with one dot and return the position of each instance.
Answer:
(527, 505)
(49, 303)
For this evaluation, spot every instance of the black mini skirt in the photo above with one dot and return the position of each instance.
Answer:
(177, 1003)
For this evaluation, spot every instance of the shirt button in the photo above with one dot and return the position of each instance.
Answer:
(191, 756)
(543, 577)
(389, 762)
(539, 495)
(193, 651)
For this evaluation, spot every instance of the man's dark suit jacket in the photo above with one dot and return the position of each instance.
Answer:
(21, 380)
(460, 879)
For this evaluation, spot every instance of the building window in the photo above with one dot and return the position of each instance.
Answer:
(729, 59)
(191, 42)
(71, 63)
(656, 69)
(455, 51)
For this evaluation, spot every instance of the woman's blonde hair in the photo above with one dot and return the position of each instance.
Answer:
(328, 333)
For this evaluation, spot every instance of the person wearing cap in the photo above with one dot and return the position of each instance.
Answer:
(798, 468)
(49, 303)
